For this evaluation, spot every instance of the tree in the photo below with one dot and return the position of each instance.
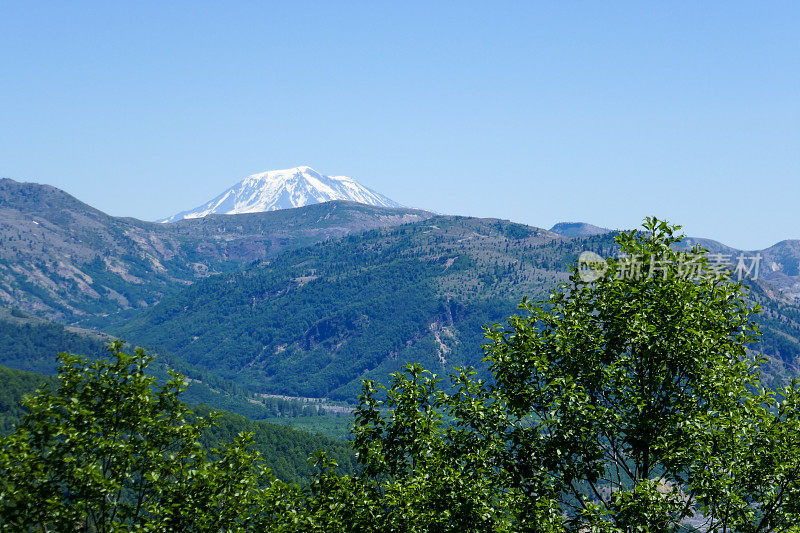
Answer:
(423, 472)
(626, 402)
(607, 387)
(112, 450)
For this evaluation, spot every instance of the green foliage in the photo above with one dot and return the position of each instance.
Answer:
(425, 474)
(111, 449)
(617, 376)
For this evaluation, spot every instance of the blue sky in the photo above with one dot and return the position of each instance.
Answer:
(537, 112)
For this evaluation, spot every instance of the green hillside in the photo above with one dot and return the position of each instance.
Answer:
(316, 321)
(31, 344)
(285, 450)
(14, 384)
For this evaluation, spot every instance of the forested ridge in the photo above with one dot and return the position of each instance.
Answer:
(298, 324)
(316, 321)
(32, 344)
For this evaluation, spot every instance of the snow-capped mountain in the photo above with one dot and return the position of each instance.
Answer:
(282, 189)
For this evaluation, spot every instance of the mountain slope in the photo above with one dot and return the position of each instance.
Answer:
(316, 321)
(578, 229)
(781, 267)
(65, 260)
(284, 189)
(778, 266)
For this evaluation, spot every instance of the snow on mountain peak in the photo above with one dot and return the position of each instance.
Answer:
(283, 189)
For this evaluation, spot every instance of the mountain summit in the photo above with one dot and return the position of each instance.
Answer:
(282, 189)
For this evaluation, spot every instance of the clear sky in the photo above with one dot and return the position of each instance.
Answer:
(537, 112)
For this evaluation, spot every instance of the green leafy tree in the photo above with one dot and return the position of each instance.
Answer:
(111, 450)
(424, 472)
(609, 386)
(624, 403)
